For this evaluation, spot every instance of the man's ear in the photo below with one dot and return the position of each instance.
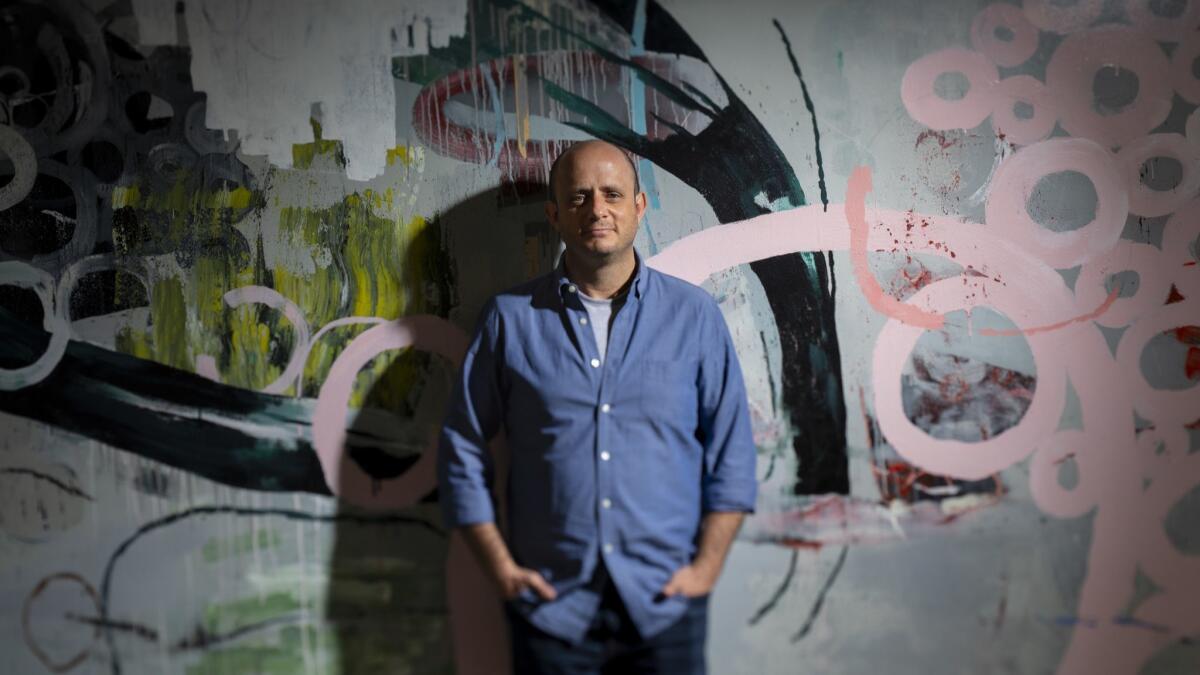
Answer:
(639, 203)
(551, 210)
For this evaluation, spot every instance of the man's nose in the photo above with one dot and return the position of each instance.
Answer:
(598, 207)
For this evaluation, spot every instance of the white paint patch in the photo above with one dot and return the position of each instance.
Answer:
(264, 64)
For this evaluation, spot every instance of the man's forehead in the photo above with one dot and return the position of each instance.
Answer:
(604, 158)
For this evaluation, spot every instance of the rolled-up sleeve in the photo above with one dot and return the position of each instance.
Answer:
(465, 468)
(729, 482)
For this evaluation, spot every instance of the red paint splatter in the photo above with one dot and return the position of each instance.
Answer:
(938, 136)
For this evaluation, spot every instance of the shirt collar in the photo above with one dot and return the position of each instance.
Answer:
(636, 288)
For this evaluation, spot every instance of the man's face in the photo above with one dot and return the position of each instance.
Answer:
(597, 212)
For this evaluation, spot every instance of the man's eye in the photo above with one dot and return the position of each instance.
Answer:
(614, 195)
(577, 199)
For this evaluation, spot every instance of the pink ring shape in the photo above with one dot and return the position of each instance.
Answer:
(1072, 70)
(1167, 29)
(1154, 282)
(935, 112)
(23, 275)
(1050, 496)
(1174, 441)
(1048, 15)
(343, 475)
(1192, 128)
(1182, 77)
(1146, 201)
(1008, 53)
(1016, 179)
(949, 457)
(1029, 90)
(1157, 556)
(1161, 406)
(1181, 249)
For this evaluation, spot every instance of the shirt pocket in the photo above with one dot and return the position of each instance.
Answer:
(667, 387)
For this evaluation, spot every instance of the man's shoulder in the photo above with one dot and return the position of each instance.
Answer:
(522, 297)
(679, 292)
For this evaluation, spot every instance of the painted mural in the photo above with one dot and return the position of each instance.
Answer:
(242, 245)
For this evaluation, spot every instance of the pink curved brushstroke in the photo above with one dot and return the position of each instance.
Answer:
(1034, 330)
(856, 196)
(343, 476)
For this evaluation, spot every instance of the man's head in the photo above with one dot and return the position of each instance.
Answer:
(595, 203)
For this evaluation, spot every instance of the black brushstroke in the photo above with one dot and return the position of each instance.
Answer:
(144, 632)
(291, 514)
(787, 581)
(168, 415)
(812, 113)
(816, 608)
(69, 489)
(202, 639)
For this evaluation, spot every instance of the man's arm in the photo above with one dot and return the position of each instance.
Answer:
(728, 486)
(491, 552)
(465, 468)
(717, 531)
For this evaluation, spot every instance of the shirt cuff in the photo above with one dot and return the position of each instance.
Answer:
(467, 507)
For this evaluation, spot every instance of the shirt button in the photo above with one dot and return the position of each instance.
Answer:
(595, 363)
(583, 320)
(572, 288)
(604, 455)
(608, 548)
(605, 408)
(606, 503)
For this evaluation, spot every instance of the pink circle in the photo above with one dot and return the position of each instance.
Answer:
(1158, 557)
(1161, 406)
(1030, 91)
(1163, 28)
(1008, 53)
(343, 475)
(1179, 245)
(1051, 16)
(1016, 179)
(1145, 201)
(1073, 68)
(935, 112)
(959, 459)
(1154, 282)
(1182, 77)
(1192, 128)
(1158, 447)
(1048, 494)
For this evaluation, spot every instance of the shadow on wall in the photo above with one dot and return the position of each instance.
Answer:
(387, 596)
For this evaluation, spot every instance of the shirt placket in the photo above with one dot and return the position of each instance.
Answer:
(604, 453)
(609, 449)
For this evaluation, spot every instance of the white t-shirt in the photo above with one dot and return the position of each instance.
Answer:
(599, 314)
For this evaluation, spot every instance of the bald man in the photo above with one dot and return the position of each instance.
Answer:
(622, 402)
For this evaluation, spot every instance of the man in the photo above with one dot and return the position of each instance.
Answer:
(632, 462)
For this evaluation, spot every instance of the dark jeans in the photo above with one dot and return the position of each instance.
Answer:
(612, 644)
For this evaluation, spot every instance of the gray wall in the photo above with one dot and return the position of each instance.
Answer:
(243, 245)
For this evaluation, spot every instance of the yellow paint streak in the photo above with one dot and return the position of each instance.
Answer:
(123, 196)
(401, 154)
(521, 97)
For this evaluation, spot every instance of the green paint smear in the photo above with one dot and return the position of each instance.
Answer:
(416, 644)
(224, 617)
(218, 549)
(169, 313)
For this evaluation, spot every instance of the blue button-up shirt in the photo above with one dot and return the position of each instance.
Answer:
(615, 459)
